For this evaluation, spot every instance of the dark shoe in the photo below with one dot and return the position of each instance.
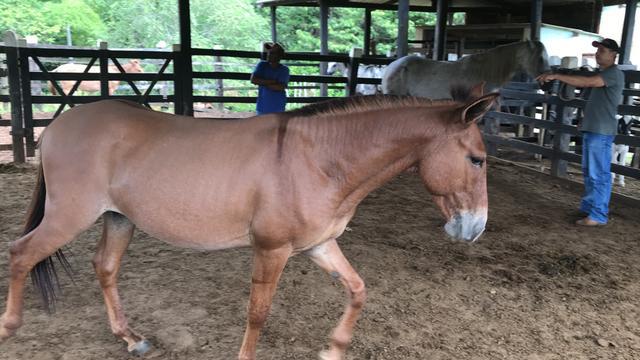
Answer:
(589, 222)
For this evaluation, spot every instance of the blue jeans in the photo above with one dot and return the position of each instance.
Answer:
(596, 169)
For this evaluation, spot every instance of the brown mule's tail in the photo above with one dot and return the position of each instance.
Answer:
(43, 275)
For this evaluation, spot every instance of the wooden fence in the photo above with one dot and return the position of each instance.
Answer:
(557, 148)
(172, 69)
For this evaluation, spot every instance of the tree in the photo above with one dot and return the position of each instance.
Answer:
(233, 24)
(48, 19)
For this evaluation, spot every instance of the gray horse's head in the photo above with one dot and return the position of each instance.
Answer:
(534, 58)
(336, 68)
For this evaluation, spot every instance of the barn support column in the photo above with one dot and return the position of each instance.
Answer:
(186, 70)
(324, 41)
(439, 35)
(367, 32)
(536, 19)
(597, 15)
(627, 31)
(274, 23)
(402, 45)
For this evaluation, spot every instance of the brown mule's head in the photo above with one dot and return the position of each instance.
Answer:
(454, 170)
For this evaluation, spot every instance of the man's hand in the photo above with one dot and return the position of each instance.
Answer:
(546, 77)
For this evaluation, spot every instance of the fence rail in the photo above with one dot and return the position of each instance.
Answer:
(557, 146)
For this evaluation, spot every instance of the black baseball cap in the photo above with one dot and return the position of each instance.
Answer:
(608, 43)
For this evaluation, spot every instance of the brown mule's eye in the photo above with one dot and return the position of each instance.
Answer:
(476, 161)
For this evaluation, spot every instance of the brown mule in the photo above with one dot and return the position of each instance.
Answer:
(282, 184)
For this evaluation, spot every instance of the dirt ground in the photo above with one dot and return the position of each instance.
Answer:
(535, 287)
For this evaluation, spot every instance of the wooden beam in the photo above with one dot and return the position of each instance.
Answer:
(627, 31)
(374, 6)
(439, 36)
(402, 44)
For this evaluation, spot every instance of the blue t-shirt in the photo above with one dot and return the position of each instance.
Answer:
(270, 101)
(601, 109)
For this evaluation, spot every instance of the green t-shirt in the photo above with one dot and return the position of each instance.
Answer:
(600, 112)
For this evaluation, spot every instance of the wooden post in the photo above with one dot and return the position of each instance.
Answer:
(324, 41)
(27, 106)
(627, 31)
(13, 72)
(367, 32)
(439, 35)
(218, 67)
(4, 81)
(560, 142)
(36, 87)
(186, 70)
(274, 23)
(178, 85)
(354, 64)
(402, 44)
(104, 69)
(491, 127)
(536, 19)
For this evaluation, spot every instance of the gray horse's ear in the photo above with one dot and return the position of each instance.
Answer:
(474, 110)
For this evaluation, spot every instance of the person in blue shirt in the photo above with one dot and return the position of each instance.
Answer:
(599, 127)
(272, 79)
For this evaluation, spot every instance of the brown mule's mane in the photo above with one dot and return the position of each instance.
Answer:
(358, 104)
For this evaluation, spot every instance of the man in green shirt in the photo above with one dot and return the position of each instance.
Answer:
(598, 128)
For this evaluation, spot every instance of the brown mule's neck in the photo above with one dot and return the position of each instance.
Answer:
(360, 152)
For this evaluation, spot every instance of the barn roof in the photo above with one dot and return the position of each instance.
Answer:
(460, 4)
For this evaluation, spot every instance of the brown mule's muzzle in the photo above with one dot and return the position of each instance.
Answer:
(467, 225)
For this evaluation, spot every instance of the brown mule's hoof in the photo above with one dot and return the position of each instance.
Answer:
(4, 334)
(6, 330)
(140, 348)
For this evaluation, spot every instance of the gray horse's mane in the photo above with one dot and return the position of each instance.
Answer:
(498, 65)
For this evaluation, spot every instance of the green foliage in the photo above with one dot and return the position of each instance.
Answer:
(233, 24)
(49, 20)
(138, 24)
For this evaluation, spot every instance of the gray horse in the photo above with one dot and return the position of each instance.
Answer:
(418, 76)
(364, 71)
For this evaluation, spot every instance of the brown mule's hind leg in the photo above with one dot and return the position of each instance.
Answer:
(330, 258)
(116, 235)
(51, 234)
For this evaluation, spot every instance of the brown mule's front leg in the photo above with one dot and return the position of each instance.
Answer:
(329, 257)
(116, 236)
(267, 268)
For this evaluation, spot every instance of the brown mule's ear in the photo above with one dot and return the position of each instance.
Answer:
(474, 110)
(477, 90)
